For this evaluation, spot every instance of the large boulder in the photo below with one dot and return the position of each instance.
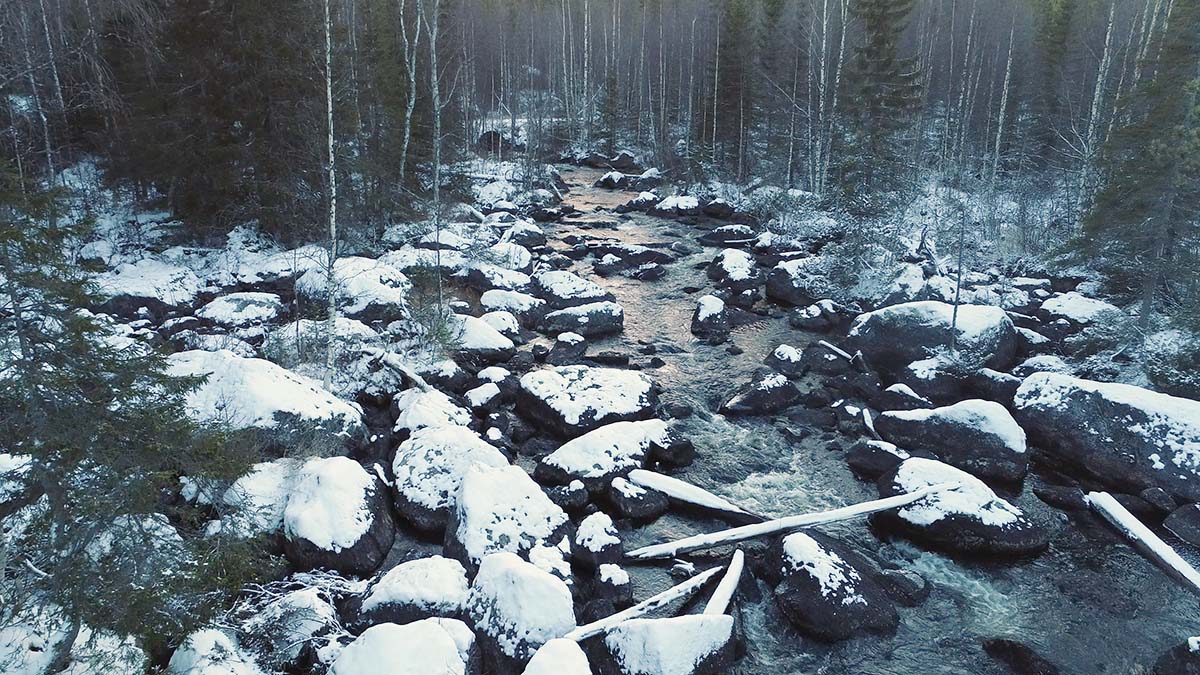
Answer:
(528, 309)
(418, 408)
(516, 608)
(735, 270)
(590, 320)
(827, 590)
(559, 656)
(477, 341)
(365, 289)
(160, 287)
(1077, 308)
(265, 403)
(501, 509)
(893, 337)
(710, 321)
(611, 450)
(429, 467)
(245, 313)
(572, 400)
(692, 644)
(1124, 436)
(255, 502)
(969, 518)
(209, 652)
(419, 648)
(800, 281)
(562, 289)
(337, 518)
(414, 590)
(979, 437)
(769, 392)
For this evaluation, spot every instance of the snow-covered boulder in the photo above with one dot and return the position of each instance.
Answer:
(671, 207)
(278, 407)
(211, 652)
(429, 467)
(257, 499)
(484, 276)
(419, 408)
(822, 315)
(692, 644)
(524, 234)
(969, 518)
(1077, 308)
(1044, 363)
(528, 309)
(827, 591)
(367, 290)
(788, 360)
(500, 508)
(414, 590)
(572, 400)
(710, 321)
(1121, 435)
(635, 502)
(893, 337)
(338, 518)
(611, 450)
(800, 281)
(590, 320)
(516, 608)
(559, 656)
(596, 542)
(157, 285)
(562, 289)
(768, 392)
(278, 632)
(242, 310)
(569, 348)
(505, 323)
(475, 340)
(419, 648)
(907, 286)
(735, 270)
(729, 235)
(979, 437)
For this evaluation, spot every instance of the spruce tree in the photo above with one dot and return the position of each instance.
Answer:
(1143, 223)
(103, 438)
(885, 90)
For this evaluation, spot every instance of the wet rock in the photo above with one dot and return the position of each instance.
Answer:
(905, 587)
(977, 436)
(693, 644)
(872, 459)
(428, 469)
(769, 392)
(572, 400)
(648, 272)
(609, 358)
(516, 608)
(590, 320)
(1182, 659)
(826, 590)
(710, 321)
(893, 337)
(1062, 497)
(1184, 523)
(337, 517)
(1120, 435)
(1019, 657)
(969, 518)
(636, 502)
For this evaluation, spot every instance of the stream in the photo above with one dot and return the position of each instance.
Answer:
(1091, 604)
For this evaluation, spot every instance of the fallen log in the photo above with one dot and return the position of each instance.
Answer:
(700, 541)
(650, 604)
(1144, 538)
(686, 492)
(721, 597)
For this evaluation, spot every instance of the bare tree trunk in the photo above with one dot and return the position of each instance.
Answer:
(1091, 135)
(411, 50)
(331, 168)
(435, 96)
(1002, 110)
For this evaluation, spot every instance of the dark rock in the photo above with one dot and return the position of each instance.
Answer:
(872, 459)
(728, 236)
(1182, 659)
(1184, 522)
(590, 320)
(635, 502)
(893, 337)
(1062, 497)
(977, 436)
(568, 349)
(1159, 499)
(906, 587)
(769, 392)
(1019, 657)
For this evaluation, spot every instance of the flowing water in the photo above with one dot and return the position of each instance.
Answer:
(1091, 604)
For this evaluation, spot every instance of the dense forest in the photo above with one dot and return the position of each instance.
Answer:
(347, 336)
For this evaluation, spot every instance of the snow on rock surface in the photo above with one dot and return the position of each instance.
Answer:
(572, 400)
(475, 338)
(211, 652)
(245, 393)
(417, 589)
(1077, 308)
(710, 321)
(1122, 435)
(419, 648)
(500, 508)
(282, 628)
(800, 281)
(692, 644)
(337, 517)
(427, 408)
(896, 336)
(559, 657)
(563, 289)
(429, 468)
(605, 452)
(977, 436)
(257, 499)
(528, 309)
(368, 290)
(826, 589)
(590, 320)
(241, 310)
(155, 284)
(517, 607)
(967, 519)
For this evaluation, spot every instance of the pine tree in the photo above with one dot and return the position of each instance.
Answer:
(105, 437)
(885, 89)
(735, 94)
(1142, 224)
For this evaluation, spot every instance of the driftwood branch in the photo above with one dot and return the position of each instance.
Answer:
(661, 600)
